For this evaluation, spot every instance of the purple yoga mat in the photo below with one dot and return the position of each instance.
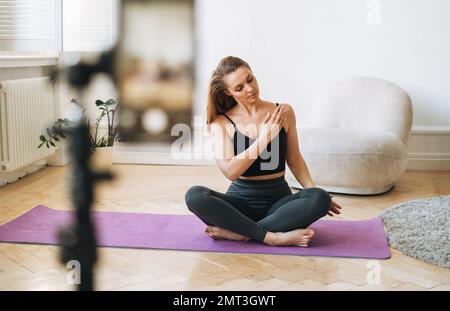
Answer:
(337, 238)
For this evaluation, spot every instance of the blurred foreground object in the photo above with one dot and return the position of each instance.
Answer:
(78, 240)
(155, 68)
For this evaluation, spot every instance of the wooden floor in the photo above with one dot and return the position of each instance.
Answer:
(160, 189)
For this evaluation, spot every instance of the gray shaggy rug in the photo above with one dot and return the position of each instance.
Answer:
(421, 229)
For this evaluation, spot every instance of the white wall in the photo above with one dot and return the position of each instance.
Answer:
(297, 47)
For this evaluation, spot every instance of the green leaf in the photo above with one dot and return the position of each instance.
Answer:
(40, 145)
(98, 102)
(42, 138)
(110, 102)
(62, 135)
(56, 138)
(52, 143)
(48, 145)
(102, 142)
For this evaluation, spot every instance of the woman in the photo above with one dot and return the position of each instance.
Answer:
(253, 140)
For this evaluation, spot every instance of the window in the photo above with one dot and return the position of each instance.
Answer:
(89, 25)
(28, 25)
(57, 25)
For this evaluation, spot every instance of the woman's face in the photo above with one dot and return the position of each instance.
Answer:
(242, 85)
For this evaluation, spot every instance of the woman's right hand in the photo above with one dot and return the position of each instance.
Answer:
(273, 123)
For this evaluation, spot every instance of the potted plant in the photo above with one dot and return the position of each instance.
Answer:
(101, 141)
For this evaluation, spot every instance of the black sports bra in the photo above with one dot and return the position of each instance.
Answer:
(268, 162)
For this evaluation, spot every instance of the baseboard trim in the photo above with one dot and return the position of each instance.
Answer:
(159, 157)
(430, 130)
(429, 161)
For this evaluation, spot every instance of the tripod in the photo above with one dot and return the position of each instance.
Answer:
(78, 240)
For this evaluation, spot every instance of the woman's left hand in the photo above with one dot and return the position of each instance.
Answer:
(334, 208)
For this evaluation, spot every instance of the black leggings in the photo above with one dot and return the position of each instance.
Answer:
(253, 207)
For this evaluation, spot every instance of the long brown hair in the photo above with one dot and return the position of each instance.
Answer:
(218, 100)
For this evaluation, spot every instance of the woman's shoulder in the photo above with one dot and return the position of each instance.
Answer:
(219, 119)
(272, 105)
(219, 123)
(290, 114)
(287, 107)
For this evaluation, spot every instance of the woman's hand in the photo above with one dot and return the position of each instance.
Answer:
(334, 208)
(273, 123)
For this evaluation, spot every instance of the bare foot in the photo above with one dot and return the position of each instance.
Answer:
(218, 233)
(298, 237)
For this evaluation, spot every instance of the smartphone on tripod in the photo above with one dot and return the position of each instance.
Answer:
(154, 68)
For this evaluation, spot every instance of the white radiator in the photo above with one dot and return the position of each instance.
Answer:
(26, 110)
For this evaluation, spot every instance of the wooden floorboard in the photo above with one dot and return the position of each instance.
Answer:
(161, 189)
